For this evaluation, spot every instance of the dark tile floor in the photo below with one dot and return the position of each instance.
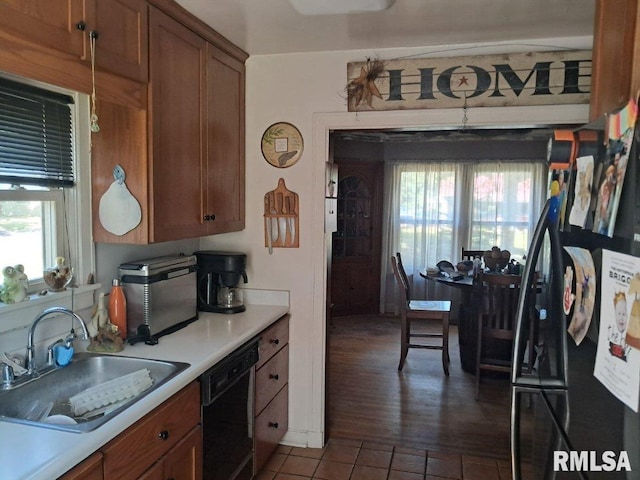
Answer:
(345, 459)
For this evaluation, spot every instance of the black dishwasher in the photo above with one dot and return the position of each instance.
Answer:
(227, 415)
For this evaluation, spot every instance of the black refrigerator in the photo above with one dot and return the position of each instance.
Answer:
(565, 424)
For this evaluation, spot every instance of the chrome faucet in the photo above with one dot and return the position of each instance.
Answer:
(30, 364)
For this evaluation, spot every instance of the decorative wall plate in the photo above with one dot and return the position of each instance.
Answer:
(282, 145)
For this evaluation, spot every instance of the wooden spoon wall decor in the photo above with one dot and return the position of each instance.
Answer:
(281, 222)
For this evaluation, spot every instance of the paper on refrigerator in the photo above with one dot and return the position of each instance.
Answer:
(617, 364)
(585, 294)
(582, 194)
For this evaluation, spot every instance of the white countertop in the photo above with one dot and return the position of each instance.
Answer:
(28, 452)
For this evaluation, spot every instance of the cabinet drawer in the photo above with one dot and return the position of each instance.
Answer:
(271, 377)
(273, 339)
(270, 427)
(136, 449)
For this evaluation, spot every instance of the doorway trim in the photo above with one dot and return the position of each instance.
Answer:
(440, 119)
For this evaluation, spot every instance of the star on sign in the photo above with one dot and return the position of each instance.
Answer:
(463, 81)
(365, 88)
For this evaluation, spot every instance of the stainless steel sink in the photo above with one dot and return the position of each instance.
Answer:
(45, 399)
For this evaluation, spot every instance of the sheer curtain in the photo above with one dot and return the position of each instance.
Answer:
(422, 203)
(433, 209)
(504, 205)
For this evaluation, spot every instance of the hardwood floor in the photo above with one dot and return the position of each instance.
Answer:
(369, 400)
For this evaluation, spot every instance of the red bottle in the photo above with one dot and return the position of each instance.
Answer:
(118, 308)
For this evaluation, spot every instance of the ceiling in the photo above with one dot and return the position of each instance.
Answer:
(274, 27)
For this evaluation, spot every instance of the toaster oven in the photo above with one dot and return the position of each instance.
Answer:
(161, 296)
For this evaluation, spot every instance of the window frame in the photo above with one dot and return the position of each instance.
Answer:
(462, 223)
(51, 245)
(74, 222)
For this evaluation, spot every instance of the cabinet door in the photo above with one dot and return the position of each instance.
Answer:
(225, 141)
(271, 378)
(141, 445)
(50, 23)
(122, 43)
(184, 461)
(177, 64)
(90, 469)
(154, 473)
(615, 76)
(270, 427)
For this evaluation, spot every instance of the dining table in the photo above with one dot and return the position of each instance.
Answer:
(472, 300)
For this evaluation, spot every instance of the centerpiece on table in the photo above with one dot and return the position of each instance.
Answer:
(496, 259)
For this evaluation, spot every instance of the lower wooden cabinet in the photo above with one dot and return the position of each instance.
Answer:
(165, 443)
(270, 427)
(271, 391)
(90, 469)
(184, 461)
(134, 451)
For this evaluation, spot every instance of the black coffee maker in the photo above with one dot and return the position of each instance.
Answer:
(219, 275)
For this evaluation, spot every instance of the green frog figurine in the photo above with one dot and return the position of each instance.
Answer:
(14, 287)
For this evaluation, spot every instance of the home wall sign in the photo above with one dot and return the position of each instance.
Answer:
(515, 79)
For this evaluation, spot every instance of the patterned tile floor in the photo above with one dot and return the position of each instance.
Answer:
(343, 459)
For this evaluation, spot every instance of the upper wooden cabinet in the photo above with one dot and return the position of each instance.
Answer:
(122, 42)
(64, 25)
(615, 74)
(178, 146)
(51, 23)
(189, 175)
(225, 141)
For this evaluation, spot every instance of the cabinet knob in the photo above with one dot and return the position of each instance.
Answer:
(81, 26)
(274, 377)
(274, 341)
(164, 434)
(273, 425)
(93, 34)
(209, 218)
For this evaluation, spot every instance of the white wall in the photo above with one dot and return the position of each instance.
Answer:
(308, 90)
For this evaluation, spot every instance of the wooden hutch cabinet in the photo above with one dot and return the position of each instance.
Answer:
(356, 244)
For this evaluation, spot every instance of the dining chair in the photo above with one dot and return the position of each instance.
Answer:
(411, 310)
(496, 323)
(471, 254)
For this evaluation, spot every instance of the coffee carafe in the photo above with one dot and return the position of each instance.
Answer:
(219, 274)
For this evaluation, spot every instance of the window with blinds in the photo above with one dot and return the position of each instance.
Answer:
(36, 136)
(37, 176)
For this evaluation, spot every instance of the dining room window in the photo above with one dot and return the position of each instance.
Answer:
(504, 205)
(436, 208)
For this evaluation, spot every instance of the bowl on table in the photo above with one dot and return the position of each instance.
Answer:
(465, 266)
